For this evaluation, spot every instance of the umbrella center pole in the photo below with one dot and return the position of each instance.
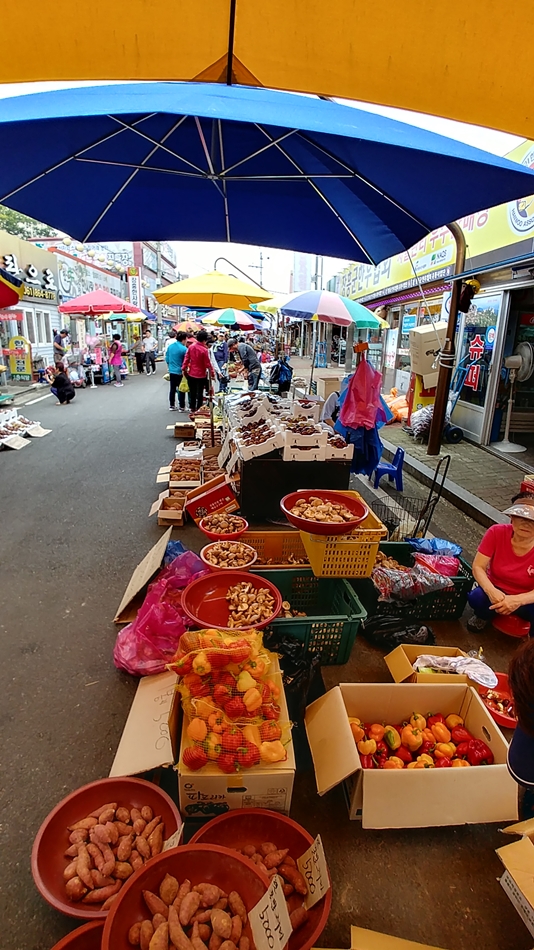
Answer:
(448, 353)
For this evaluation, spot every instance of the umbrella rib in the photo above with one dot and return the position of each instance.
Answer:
(258, 151)
(159, 144)
(363, 179)
(284, 177)
(212, 173)
(223, 183)
(320, 194)
(142, 168)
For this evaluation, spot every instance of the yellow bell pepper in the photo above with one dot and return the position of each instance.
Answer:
(418, 721)
(201, 664)
(426, 759)
(452, 721)
(393, 763)
(440, 732)
(460, 763)
(367, 746)
(197, 730)
(392, 737)
(445, 750)
(252, 734)
(245, 681)
(252, 699)
(213, 746)
(419, 765)
(412, 738)
(272, 752)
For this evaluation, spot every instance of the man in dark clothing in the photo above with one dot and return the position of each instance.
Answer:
(249, 359)
(59, 345)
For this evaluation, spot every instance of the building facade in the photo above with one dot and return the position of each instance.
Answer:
(36, 318)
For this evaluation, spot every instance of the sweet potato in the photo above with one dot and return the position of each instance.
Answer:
(160, 940)
(123, 828)
(294, 877)
(136, 860)
(155, 840)
(257, 858)
(98, 811)
(196, 940)
(109, 859)
(100, 833)
(70, 871)
(209, 894)
(155, 904)
(215, 941)
(244, 943)
(142, 846)
(124, 849)
(237, 906)
(113, 832)
(107, 814)
(189, 907)
(107, 904)
(157, 920)
(298, 917)
(139, 826)
(168, 889)
(123, 814)
(184, 889)
(123, 870)
(221, 923)
(221, 904)
(75, 889)
(99, 880)
(76, 837)
(96, 855)
(237, 929)
(151, 826)
(146, 813)
(145, 935)
(287, 889)
(72, 851)
(102, 893)
(267, 848)
(201, 916)
(85, 824)
(289, 860)
(180, 940)
(83, 867)
(204, 932)
(134, 934)
(274, 858)
(228, 945)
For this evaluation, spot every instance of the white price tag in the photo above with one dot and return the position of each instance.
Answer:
(312, 865)
(174, 839)
(224, 453)
(269, 919)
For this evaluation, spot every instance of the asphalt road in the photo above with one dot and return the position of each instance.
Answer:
(73, 510)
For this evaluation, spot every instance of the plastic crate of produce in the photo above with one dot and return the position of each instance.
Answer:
(333, 612)
(276, 547)
(348, 555)
(447, 604)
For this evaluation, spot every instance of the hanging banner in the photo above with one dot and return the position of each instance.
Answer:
(20, 365)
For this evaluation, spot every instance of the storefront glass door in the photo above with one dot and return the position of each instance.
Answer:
(479, 344)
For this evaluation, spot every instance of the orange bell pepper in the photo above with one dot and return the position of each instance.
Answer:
(256, 668)
(376, 732)
(420, 765)
(197, 730)
(357, 731)
(216, 721)
(275, 689)
(393, 763)
(460, 763)
(452, 721)
(204, 707)
(252, 699)
(367, 746)
(428, 736)
(418, 721)
(440, 732)
(445, 749)
(412, 738)
(252, 734)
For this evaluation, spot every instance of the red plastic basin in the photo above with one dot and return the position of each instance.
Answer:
(255, 825)
(48, 860)
(502, 687)
(354, 505)
(88, 937)
(204, 599)
(201, 863)
(215, 536)
(511, 625)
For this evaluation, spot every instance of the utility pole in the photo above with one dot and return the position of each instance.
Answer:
(259, 267)
(158, 277)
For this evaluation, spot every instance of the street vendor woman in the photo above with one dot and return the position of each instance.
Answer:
(521, 750)
(504, 570)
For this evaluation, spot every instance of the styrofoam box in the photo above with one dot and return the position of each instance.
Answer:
(332, 453)
(296, 454)
(253, 451)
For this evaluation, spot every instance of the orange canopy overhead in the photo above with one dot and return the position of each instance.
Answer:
(464, 60)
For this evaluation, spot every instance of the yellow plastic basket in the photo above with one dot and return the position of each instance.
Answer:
(347, 555)
(276, 547)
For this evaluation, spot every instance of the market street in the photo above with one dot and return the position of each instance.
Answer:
(74, 525)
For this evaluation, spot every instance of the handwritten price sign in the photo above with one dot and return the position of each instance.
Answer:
(269, 919)
(312, 866)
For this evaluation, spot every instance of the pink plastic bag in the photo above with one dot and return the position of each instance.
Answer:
(362, 401)
(440, 563)
(150, 642)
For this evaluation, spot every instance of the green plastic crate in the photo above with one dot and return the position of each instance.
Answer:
(333, 612)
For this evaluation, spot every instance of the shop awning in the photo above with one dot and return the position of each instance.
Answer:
(11, 289)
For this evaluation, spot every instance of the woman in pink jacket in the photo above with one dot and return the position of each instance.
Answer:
(195, 366)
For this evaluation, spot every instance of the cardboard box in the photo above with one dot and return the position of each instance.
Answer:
(135, 592)
(418, 798)
(326, 385)
(425, 343)
(518, 878)
(361, 939)
(168, 513)
(430, 381)
(183, 430)
(214, 495)
(400, 664)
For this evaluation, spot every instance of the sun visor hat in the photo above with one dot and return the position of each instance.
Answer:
(521, 511)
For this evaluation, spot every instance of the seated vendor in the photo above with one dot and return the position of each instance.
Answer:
(504, 570)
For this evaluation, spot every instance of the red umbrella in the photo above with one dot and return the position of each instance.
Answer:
(11, 289)
(98, 302)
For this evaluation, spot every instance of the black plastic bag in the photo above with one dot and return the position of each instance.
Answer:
(387, 632)
(301, 673)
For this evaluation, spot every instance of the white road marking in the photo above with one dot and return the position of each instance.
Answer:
(40, 399)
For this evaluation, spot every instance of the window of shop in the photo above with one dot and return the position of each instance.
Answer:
(48, 327)
(475, 351)
(30, 327)
(42, 327)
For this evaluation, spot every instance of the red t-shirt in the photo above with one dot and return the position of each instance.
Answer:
(196, 360)
(509, 573)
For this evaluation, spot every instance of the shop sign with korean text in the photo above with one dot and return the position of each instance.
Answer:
(36, 267)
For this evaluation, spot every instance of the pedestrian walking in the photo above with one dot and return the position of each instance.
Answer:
(60, 349)
(249, 358)
(139, 353)
(115, 358)
(195, 366)
(174, 358)
(150, 346)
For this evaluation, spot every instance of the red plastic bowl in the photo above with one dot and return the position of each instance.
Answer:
(502, 687)
(88, 937)
(224, 537)
(198, 862)
(354, 505)
(511, 625)
(254, 825)
(213, 567)
(48, 860)
(204, 599)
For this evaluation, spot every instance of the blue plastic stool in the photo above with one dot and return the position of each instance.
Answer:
(392, 469)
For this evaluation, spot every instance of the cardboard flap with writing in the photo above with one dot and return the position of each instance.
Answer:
(157, 504)
(333, 749)
(141, 576)
(146, 742)
(361, 939)
(518, 859)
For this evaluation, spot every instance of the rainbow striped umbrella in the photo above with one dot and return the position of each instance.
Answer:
(328, 307)
(229, 317)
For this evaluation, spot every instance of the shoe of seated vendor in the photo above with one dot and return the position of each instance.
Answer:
(476, 624)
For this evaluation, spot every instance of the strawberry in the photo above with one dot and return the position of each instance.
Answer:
(248, 755)
(194, 758)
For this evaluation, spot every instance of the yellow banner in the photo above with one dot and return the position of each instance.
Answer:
(433, 258)
(20, 360)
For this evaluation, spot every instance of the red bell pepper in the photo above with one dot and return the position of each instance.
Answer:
(462, 749)
(227, 762)
(433, 719)
(444, 763)
(248, 755)
(232, 739)
(270, 711)
(367, 762)
(235, 708)
(427, 747)
(460, 734)
(403, 753)
(381, 750)
(478, 753)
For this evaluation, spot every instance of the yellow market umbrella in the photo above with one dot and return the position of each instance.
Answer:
(354, 49)
(215, 290)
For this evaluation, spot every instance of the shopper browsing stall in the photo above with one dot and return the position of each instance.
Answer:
(195, 365)
(248, 356)
(174, 358)
(139, 353)
(115, 358)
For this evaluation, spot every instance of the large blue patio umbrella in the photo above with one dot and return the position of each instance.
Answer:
(214, 163)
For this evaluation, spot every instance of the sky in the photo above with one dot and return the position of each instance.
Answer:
(196, 257)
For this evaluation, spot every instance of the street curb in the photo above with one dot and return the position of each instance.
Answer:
(470, 504)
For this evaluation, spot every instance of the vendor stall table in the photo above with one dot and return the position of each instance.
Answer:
(266, 479)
